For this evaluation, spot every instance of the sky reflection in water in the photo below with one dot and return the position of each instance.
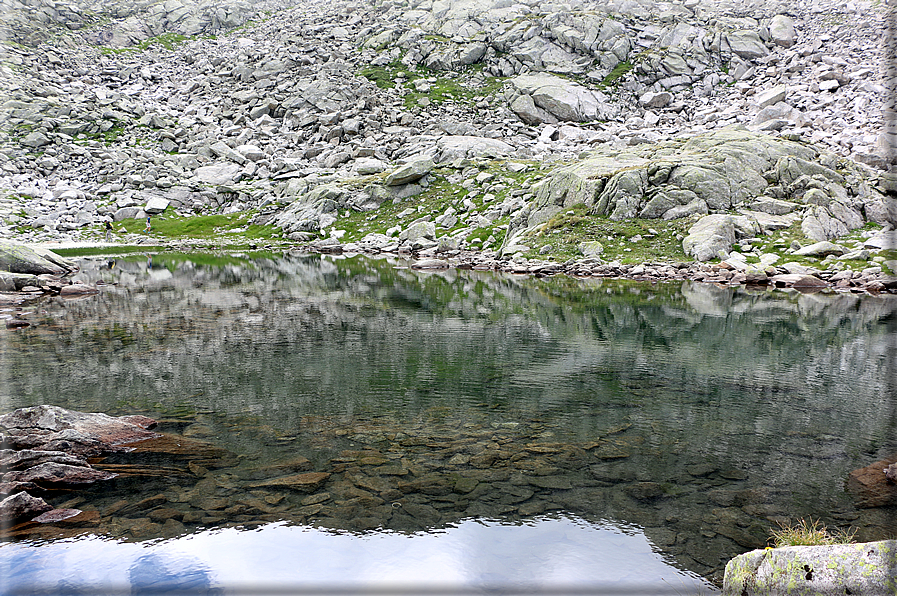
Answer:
(547, 555)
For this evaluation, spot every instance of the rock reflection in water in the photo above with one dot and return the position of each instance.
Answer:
(352, 394)
(543, 556)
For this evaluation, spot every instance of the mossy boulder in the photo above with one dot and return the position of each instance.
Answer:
(866, 568)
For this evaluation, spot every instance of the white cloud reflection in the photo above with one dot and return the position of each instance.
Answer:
(546, 555)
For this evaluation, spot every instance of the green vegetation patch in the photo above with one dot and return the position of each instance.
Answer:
(630, 241)
(172, 225)
(809, 533)
(618, 72)
(169, 41)
(443, 86)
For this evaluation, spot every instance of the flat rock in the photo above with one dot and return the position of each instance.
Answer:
(865, 568)
(101, 427)
(307, 482)
(17, 258)
(52, 474)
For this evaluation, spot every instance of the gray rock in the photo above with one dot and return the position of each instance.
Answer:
(35, 139)
(771, 96)
(746, 44)
(156, 205)
(218, 174)
(419, 230)
(591, 248)
(564, 99)
(655, 100)
(781, 31)
(21, 505)
(529, 112)
(128, 213)
(451, 148)
(410, 172)
(710, 235)
(821, 250)
(17, 258)
(865, 568)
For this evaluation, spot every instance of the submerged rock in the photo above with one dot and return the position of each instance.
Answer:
(875, 485)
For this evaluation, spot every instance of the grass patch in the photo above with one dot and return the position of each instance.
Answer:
(171, 225)
(809, 533)
(629, 241)
(169, 41)
(618, 72)
(442, 88)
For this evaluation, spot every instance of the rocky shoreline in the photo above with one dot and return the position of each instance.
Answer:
(532, 138)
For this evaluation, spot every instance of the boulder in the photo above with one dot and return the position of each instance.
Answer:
(218, 174)
(21, 505)
(51, 475)
(781, 31)
(11, 460)
(529, 112)
(563, 99)
(709, 236)
(156, 205)
(99, 427)
(410, 172)
(128, 213)
(17, 258)
(821, 250)
(454, 147)
(865, 568)
(746, 44)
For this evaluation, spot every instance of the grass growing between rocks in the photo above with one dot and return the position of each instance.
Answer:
(809, 533)
(171, 225)
(442, 88)
(629, 242)
(169, 41)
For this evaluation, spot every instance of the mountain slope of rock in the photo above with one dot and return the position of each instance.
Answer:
(305, 116)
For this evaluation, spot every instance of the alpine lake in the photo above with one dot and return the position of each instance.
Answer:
(347, 424)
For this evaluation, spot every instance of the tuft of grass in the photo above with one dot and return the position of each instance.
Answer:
(619, 71)
(809, 533)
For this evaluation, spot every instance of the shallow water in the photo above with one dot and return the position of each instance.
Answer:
(554, 420)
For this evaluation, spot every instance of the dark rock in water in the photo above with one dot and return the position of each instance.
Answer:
(308, 482)
(21, 505)
(871, 486)
(56, 515)
(53, 475)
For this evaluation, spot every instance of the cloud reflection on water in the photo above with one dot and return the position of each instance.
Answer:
(548, 555)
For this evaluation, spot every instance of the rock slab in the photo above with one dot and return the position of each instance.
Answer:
(866, 568)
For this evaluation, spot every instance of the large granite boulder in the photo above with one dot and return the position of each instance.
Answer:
(17, 258)
(564, 99)
(710, 236)
(866, 568)
(21, 505)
